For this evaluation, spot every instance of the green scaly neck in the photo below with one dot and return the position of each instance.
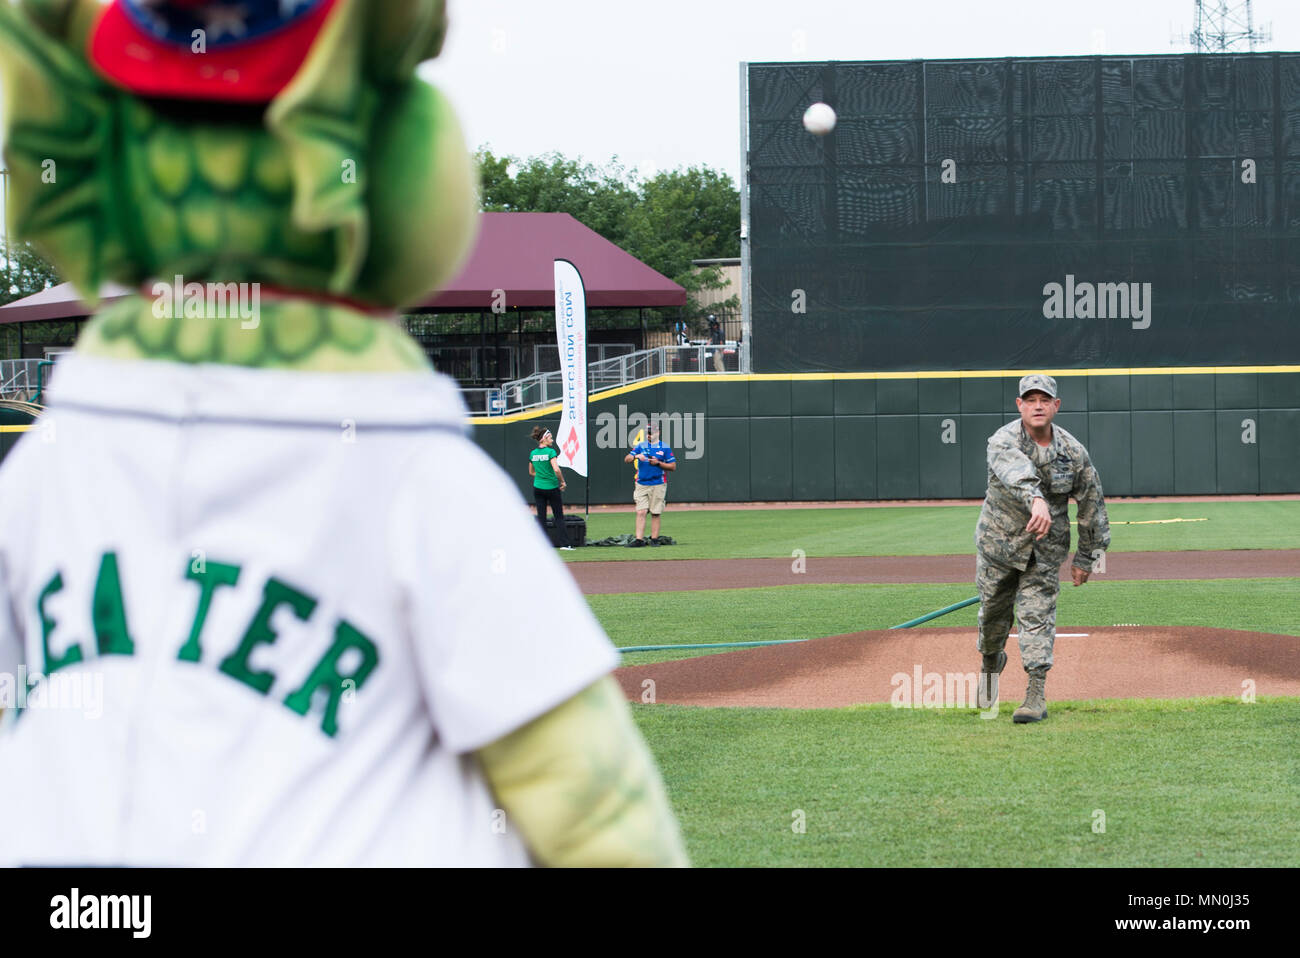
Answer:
(285, 334)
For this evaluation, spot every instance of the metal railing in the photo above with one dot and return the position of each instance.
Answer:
(542, 389)
(20, 378)
(546, 357)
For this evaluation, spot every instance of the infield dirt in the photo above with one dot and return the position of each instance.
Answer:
(863, 667)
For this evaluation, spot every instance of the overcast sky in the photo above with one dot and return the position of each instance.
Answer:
(657, 84)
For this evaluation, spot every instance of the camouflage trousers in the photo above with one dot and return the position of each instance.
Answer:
(1031, 595)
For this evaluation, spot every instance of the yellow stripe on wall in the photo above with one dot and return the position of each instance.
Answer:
(1010, 373)
(16, 428)
(929, 374)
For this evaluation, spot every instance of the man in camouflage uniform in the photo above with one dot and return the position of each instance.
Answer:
(1023, 536)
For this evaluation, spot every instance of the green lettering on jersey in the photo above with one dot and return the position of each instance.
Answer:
(274, 594)
(214, 574)
(73, 652)
(107, 611)
(326, 676)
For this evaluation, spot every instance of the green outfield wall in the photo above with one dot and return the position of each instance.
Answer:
(12, 426)
(923, 436)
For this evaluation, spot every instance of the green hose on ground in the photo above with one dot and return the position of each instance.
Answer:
(740, 645)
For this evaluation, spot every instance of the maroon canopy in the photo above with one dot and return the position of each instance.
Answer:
(57, 302)
(515, 252)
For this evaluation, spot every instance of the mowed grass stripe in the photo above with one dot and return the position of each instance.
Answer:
(1180, 783)
(934, 530)
(815, 611)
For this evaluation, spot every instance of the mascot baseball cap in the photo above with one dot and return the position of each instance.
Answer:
(1044, 384)
(243, 52)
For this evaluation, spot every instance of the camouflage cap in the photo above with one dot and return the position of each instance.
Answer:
(1040, 382)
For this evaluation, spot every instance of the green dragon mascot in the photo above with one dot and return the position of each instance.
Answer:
(297, 631)
(316, 166)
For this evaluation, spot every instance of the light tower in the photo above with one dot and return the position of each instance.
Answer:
(1226, 27)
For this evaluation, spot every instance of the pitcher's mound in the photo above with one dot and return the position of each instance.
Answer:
(1114, 662)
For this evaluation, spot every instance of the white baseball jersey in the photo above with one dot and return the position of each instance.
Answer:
(264, 617)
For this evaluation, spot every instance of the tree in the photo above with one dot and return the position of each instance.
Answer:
(685, 215)
(599, 199)
(666, 221)
(24, 273)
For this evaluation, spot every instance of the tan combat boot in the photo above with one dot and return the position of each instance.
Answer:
(1034, 708)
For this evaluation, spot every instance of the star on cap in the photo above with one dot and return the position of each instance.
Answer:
(222, 20)
(1039, 382)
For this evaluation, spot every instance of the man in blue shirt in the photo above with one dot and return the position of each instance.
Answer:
(652, 460)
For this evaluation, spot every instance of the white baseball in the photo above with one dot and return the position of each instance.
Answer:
(819, 119)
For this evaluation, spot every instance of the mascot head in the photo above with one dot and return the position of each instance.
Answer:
(286, 142)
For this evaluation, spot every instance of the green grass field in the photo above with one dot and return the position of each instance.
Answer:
(1186, 783)
(1209, 782)
(934, 530)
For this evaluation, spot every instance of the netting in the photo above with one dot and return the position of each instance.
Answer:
(1085, 172)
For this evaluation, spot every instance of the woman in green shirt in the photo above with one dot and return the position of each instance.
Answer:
(548, 483)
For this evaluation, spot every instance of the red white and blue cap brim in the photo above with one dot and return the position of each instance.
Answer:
(241, 51)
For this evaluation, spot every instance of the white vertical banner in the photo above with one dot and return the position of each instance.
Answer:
(571, 337)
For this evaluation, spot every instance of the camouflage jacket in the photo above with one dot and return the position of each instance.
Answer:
(1019, 471)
